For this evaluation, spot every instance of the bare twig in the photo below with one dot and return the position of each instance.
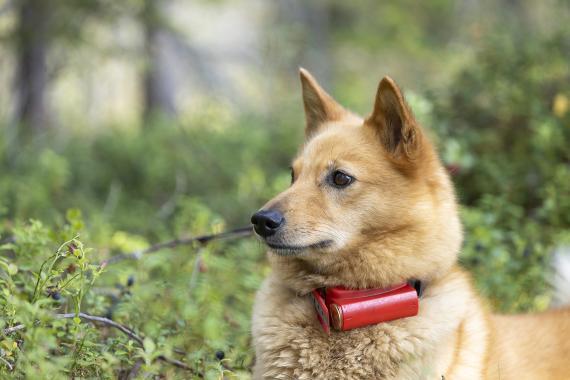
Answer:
(179, 364)
(195, 271)
(130, 333)
(170, 205)
(112, 198)
(7, 363)
(109, 322)
(8, 239)
(204, 239)
(134, 371)
(125, 330)
(12, 329)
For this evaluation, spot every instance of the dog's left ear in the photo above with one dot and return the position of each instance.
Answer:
(393, 120)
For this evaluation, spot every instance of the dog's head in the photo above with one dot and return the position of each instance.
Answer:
(369, 202)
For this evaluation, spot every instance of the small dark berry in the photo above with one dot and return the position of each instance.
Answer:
(220, 355)
(56, 296)
(131, 280)
(527, 252)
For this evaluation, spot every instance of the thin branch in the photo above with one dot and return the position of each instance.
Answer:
(109, 322)
(125, 330)
(8, 239)
(12, 329)
(134, 371)
(195, 271)
(130, 333)
(204, 239)
(7, 363)
(169, 206)
(179, 364)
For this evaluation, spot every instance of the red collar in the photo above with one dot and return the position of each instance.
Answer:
(347, 309)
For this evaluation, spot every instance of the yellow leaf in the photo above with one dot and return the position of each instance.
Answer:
(560, 105)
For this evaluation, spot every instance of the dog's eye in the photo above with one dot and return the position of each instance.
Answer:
(341, 179)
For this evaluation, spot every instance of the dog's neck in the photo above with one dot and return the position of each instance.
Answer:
(363, 271)
(302, 277)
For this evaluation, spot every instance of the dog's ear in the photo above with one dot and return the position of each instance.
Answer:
(393, 120)
(320, 107)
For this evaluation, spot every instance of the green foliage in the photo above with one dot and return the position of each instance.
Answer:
(122, 190)
(506, 124)
(40, 279)
(188, 303)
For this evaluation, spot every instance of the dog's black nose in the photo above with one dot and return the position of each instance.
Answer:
(267, 222)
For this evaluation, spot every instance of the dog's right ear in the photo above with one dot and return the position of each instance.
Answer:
(320, 107)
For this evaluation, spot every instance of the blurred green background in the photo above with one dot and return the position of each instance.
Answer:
(126, 123)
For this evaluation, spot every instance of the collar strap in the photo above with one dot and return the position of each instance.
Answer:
(419, 286)
(346, 309)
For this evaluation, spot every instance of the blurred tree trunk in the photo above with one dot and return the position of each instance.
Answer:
(517, 12)
(317, 53)
(158, 85)
(32, 36)
(314, 21)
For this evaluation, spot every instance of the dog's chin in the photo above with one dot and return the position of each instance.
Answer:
(286, 249)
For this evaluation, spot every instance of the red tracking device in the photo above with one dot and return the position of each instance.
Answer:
(346, 309)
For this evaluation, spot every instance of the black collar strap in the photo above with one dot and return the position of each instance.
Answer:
(419, 286)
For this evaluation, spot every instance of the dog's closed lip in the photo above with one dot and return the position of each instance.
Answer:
(296, 248)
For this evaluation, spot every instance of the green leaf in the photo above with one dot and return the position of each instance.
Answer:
(149, 346)
(12, 269)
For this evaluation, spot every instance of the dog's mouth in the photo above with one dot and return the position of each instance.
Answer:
(290, 250)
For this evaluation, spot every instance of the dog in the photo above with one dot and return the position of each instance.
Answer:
(371, 205)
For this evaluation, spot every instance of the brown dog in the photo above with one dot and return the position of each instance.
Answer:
(370, 206)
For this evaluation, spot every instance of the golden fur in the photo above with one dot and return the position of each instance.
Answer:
(397, 221)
